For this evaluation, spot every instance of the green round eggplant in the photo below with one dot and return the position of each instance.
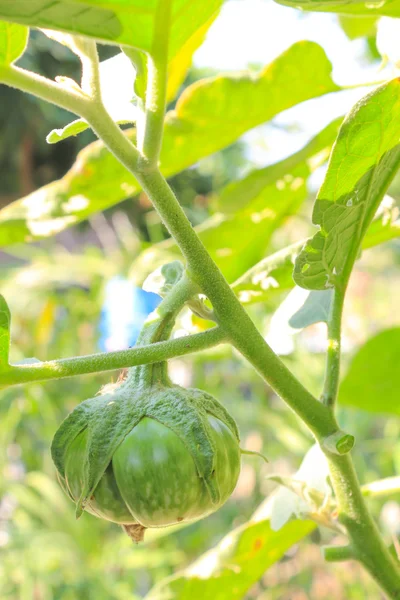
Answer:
(152, 479)
(106, 502)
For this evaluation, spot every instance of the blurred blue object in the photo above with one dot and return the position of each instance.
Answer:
(124, 311)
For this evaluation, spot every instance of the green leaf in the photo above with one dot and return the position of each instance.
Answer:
(256, 222)
(273, 274)
(364, 160)
(13, 40)
(214, 112)
(356, 27)
(229, 570)
(372, 382)
(237, 194)
(97, 181)
(300, 309)
(315, 309)
(117, 77)
(384, 228)
(374, 8)
(180, 63)
(56, 135)
(122, 22)
(5, 319)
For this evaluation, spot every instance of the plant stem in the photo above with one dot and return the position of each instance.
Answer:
(201, 268)
(365, 540)
(382, 487)
(157, 328)
(230, 313)
(90, 82)
(332, 369)
(243, 334)
(109, 361)
(71, 99)
(338, 553)
(246, 338)
(151, 129)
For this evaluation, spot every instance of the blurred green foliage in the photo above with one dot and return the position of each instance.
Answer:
(56, 289)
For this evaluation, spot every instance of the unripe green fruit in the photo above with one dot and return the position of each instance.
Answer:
(152, 478)
(148, 457)
(147, 453)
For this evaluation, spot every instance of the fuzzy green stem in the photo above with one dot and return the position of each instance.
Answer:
(110, 361)
(366, 542)
(150, 130)
(229, 312)
(240, 330)
(90, 82)
(202, 269)
(337, 553)
(332, 370)
(157, 328)
(382, 487)
(70, 99)
(246, 338)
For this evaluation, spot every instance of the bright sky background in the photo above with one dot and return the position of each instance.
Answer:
(255, 32)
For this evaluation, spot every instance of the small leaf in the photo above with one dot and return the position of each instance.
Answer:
(371, 382)
(56, 135)
(364, 160)
(315, 309)
(117, 77)
(13, 40)
(163, 279)
(5, 320)
(273, 274)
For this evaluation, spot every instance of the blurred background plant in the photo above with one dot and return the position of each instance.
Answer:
(76, 293)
